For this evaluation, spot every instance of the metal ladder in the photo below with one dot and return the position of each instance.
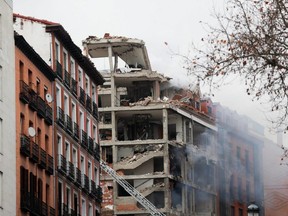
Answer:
(131, 190)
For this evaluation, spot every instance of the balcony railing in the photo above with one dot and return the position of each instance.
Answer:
(74, 87)
(48, 115)
(62, 164)
(24, 92)
(25, 148)
(82, 96)
(85, 183)
(67, 78)
(84, 140)
(35, 152)
(33, 100)
(25, 200)
(49, 168)
(93, 189)
(90, 145)
(41, 107)
(70, 171)
(69, 128)
(43, 158)
(51, 211)
(97, 152)
(77, 177)
(44, 209)
(95, 111)
(59, 70)
(99, 194)
(60, 116)
(75, 131)
(88, 103)
(35, 205)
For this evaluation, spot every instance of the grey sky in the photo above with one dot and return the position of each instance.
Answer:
(155, 22)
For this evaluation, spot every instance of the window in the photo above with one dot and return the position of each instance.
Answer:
(96, 176)
(87, 85)
(73, 114)
(58, 96)
(90, 210)
(80, 79)
(83, 207)
(72, 68)
(60, 196)
(82, 164)
(38, 86)
(93, 93)
(81, 120)
(76, 204)
(88, 127)
(30, 79)
(67, 150)
(68, 197)
(66, 104)
(45, 91)
(74, 157)
(38, 136)
(57, 51)
(95, 133)
(89, 170)
(59, 143)
(22, 119)
(247, 161)
(65, 60)
(47, 143)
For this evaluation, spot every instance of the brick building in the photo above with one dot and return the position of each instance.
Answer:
(34, 161)
(74, 102)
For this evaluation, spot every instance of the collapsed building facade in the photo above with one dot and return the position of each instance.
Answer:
(164, 148)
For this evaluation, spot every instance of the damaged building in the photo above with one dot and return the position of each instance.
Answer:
(163, 145)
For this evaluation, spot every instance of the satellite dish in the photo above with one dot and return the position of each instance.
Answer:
(48, 98)
(31, 131)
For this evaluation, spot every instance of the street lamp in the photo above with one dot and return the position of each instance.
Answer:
(253, 210)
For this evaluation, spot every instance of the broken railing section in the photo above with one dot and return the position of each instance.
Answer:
(131, 190)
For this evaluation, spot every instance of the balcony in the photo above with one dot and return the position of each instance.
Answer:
(93, 189)
(67, 78)
(95, 110)
(25, 148)
(77, 177)
(35, 205)
(44, 209)
(97, 152)
(51, 211)
(73, 213)
(33, 100)
(49, 168)
(24, 92)
(59, 70)
(75, 131)
(43, 159)
(90, 145)
(65, 210)
(74, 87)
(60, 117)
(41, 107)
(84, 140)
(82, 96)
(70, 171)
(88, 104)
(25, 200)
(62, 164)
(35, 152)
(99, 194)
(69, 128)
(48, 115)
(85, 183)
